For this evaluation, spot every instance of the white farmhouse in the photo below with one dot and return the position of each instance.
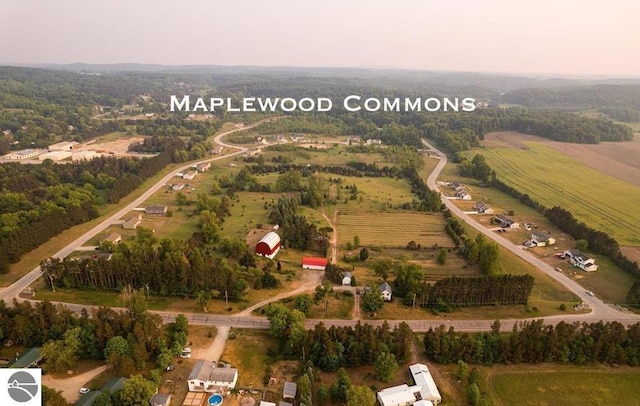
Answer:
(205, 377)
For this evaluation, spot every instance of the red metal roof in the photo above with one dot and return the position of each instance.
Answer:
(314, 261)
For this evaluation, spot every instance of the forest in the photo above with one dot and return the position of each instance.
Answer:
(535, 342)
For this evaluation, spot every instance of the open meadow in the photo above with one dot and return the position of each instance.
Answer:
(551, 178)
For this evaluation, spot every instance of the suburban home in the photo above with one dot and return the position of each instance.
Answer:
(177, 186)
(269, 245)
(113, 238)
(346, 279)
(455, 186)
(385, 291)
(423, 393)
(156, 209)
(482, 208)
(463, 194)
(132, 222)
(216, 151)
(542, 239)
(581, 260)
(205, 377)
(203, 167)
(506, 222)
(189, 175)
(158, 399)
(290, 390)
(319, 264)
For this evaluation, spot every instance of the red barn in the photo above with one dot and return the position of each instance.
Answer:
(269, 245)
(314, 263)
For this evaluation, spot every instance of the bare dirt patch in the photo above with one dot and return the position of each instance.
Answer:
(633, 253)
(119, 146)
(616, 159)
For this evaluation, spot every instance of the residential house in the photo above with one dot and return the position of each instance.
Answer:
(203, 167)
(506, 222)
(156, 209)
(189, 175)
(581, 260)
(385, 291)
(113, 238)
(482, 208)
(205, 377)
(177, 187)
(463, 194)
(132, 222)
(541, 239)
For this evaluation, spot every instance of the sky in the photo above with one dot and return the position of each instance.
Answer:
(582, 37)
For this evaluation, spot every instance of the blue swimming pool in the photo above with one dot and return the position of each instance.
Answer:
(215, 400)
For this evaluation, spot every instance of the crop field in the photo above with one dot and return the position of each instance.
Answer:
(601, 201)
(392, 229)
(577, 386)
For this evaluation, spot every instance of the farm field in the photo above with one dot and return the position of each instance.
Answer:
(601, 201)
(568, 386)
(392, 229)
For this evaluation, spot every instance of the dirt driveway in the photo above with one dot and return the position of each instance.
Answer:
(70, 386)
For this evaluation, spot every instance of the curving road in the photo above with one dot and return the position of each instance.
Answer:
(600, 311)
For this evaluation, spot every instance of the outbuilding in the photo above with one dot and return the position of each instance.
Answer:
(269, 245)
(319, 264)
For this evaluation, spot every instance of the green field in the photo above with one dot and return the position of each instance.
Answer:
(392, 229)
(577, 386)
(551, 178)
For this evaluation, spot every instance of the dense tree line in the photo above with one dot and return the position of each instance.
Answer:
(578, 98)
(478, 291)
(332, 348)
(627, 115)
(535, 342)
(296, 232)
(166, 267)
(40, 201)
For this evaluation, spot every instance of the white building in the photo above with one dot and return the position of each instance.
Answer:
(24, 154)
(423, 393)
(542, 239)
(581, 260)
(57, 155)
(385, 291)
(189, 175)
(63, 146)
(205, 377)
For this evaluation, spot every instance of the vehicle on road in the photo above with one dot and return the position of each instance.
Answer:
(84, 391)
(590, 293)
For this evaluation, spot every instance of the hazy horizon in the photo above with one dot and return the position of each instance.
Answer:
(570, 38)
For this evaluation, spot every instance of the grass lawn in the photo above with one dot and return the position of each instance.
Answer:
(248, 352)
(392, 229)
(542, 172)
(569, 386)
(338, 305)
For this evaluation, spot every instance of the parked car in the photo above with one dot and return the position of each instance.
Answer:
(186, 349)
(185, 355)
(170, 367)
(84, 391)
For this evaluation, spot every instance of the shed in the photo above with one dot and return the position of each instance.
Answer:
(316, 263)
(269, 245)
(346, 279)
(290, 390)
